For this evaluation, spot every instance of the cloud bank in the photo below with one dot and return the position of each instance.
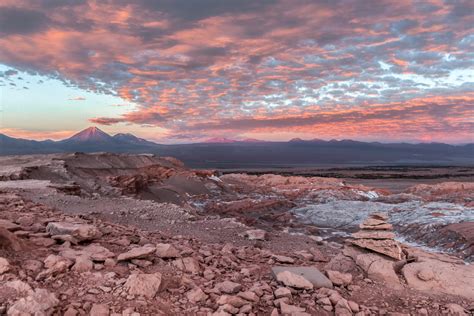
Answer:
(388, 69)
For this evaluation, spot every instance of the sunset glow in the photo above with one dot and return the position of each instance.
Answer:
(184, 71)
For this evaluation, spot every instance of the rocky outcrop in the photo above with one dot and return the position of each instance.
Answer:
(374, 236)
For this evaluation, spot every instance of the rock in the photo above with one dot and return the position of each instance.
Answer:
(232, 300)
(20, 287)
(65, 238)
(81, 232)
(136, 253)
(166, 251)
(440, 277)
(378, 227)
(294, 280)
(228, 287)
(9, 225)
(249, 296)
(256, 234)
(83, 264)
(196, 295)
(373, 234)
(9, 241)
(339, 278)
(354, 306)
(386, 247)
(97, 252)
(40, 302)
(379, 216)
(143, 284)
(342, 307)
(283, 259)
(32, 266)
(4, 265)
(71, 311)
(426, 275)
(373, 222)
(455, 309)
(378, 268)
(99, 310)
(287, 309)
(282, 292)
(311, 274)
(43, 242)
(94, 252)
(188, 264)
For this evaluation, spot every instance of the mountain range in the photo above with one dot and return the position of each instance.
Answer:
(224, 152)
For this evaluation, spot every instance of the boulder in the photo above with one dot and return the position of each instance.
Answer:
(39, 302)
(143, 284)
(166, 251)
(379, 269)
(311, 274)
(136, 253)
(339, 278)
(437, 276)
(81, 232)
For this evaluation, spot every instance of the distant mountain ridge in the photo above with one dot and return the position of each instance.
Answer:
(229, 153)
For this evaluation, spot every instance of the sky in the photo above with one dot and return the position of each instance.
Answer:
(178, 71)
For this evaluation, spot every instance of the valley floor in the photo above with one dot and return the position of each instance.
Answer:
(104, 234)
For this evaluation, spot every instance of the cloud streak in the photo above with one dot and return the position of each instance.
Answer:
(357, 67)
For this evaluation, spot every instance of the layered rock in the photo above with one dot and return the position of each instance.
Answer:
(376, 236)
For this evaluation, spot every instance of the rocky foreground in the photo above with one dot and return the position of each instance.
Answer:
(78, 239)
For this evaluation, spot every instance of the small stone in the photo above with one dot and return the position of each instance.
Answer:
(99, 310)
(40, 302)
(79, 231)
(249, 296)
(232, 300)
(283, 259)
(166, 251)
(4, 265)
(339, 278)
(196, 295)
(294, 280)
(136, 253)
(143, 284)
(228, 287)
(256, 234)
(188, 264)
(83, 264)
(282, 292)
(287, 309)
